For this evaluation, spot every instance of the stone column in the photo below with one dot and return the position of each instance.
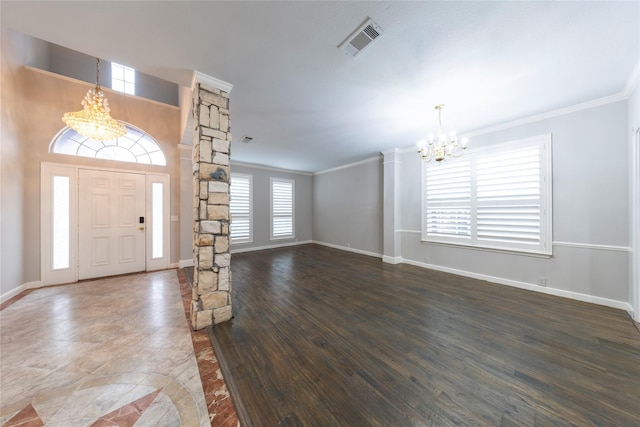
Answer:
(211, 293)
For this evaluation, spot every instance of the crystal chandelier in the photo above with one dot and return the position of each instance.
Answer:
(441, 146)
(94, 120)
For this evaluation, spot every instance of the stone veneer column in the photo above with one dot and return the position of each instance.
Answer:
(211, 293)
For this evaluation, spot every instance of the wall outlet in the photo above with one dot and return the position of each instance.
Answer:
(426, 259)
(174, 218)
(542, 281)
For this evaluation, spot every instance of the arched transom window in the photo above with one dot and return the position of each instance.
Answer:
(135, 146)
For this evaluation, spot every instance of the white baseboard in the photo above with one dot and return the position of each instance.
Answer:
(12, 293)
(622, 305)
(260, 248)
(345, 248)
(392, 260)
(185, 263)
(15, 291)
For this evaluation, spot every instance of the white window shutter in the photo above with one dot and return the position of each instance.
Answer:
(241, 209)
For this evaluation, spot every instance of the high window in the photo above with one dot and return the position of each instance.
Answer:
(241, 208)
(282, 208)
(136, 146)
(123, 79)
(497, 198)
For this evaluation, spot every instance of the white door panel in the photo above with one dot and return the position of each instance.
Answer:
(111, 238)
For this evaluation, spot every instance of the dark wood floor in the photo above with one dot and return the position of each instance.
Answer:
(323, 337)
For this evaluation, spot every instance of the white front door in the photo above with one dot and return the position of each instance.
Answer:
(111, 225)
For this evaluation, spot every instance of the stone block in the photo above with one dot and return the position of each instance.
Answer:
(220, 159)
(204, 191)
(213, 227)
(220, 145)
(218, 199)
(223, 279)
(205, 151)
(214, 99)
(214, 133)
(203, 319)
(205, 257)
(225, 229)
(214, 172)
(214, 118)
(222, 260)
(215, 299)
(208, 88)
(218, 187)
(222, 314)
(205, 240)
(196, 187)
(203, 115)
(208, 282)
(202, 213)
(221, 244)
(218, 212)
(224, 123)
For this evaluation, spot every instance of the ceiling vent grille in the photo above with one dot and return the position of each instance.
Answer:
(246, 139)
(362, 37)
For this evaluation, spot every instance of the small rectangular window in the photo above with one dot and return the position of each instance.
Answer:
(496, 198)
(282, 208)
(241, 208)
(60, 223)
(157, 205)
(123, 79)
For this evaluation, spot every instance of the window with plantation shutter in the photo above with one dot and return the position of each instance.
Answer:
(497, 198)
(282, 208)
(240, 208)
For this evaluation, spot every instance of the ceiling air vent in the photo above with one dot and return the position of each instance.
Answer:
(246, 139)
(361, 38)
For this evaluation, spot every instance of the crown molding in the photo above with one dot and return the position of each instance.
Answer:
(550, 114)
(199, 77)
(349, 165)
(269, 168)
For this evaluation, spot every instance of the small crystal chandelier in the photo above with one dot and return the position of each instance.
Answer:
(440, 146)
(94, 120)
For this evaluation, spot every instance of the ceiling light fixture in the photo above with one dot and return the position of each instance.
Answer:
(441, 146)
(94, 121)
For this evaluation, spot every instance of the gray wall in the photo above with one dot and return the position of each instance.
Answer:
(590, 209)
(262, 205)
(347, 207)
(70, 63)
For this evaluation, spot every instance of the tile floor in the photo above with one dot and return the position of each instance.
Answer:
(114, 351)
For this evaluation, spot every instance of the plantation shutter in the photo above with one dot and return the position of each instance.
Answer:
(448, 200)
(509, 204)
(240, 208)
(281, 208)
(498, 198)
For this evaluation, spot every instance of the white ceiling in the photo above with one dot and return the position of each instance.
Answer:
(310, 107)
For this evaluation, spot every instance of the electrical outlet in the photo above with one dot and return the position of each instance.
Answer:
(426, 259)
(542, 281)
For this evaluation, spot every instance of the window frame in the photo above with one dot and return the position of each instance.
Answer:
(140, 145)
(273, 180)
(249, 178)
(545, 247)
(121, 77)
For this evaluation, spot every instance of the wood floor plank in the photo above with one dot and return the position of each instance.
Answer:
(322, 337)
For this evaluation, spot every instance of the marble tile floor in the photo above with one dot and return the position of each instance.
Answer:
(108, 352)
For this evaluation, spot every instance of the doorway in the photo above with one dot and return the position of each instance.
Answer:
(102, 222)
